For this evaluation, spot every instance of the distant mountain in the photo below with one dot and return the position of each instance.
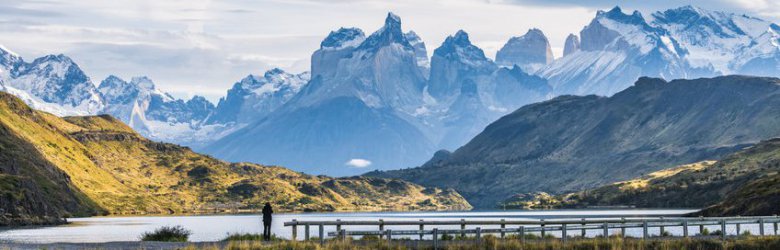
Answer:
(687, 42)
(79, 166)
(572, 44)
(53, 83)
(571, 143)
(615, 50)
(255, 97)
(369, 99)
(358, 105)
(530, 51)
(386, 86)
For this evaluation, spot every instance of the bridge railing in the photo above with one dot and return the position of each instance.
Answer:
(523, 226)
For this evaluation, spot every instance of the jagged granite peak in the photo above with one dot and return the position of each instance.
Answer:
(419, 50)
(530, 51)
(337, 45)
(343, 37)
(572, 44)
(455, 63)
(389, 33)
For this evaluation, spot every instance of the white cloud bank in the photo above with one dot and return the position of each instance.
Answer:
(358, 163)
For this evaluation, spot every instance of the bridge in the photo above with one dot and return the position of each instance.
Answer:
(560, 229)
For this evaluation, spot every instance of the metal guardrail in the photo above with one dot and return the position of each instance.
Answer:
(564, 226)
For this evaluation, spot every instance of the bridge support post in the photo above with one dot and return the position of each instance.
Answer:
(623, 227)
(462, 227)
(606, 230)
(503, 226)
(761, 226)
(381, 228)
(723, 229)
(322, 234)
(435, 239)
(294, 229)
(422, 227)
(306, 232)
(685, 228)
(644, 230)
(478, 237)
(563, 233)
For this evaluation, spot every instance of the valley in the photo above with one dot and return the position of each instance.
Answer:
(96, 165)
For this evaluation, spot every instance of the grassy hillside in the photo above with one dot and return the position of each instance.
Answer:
(744, 183)
(97, 165)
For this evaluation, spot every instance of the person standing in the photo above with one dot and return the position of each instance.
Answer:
(267, 216)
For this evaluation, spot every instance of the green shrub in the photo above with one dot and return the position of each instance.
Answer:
(447, 237)
(169, 234)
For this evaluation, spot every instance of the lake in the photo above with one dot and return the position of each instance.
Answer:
(216, 227)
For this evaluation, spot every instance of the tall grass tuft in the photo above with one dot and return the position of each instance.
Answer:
(168, 234)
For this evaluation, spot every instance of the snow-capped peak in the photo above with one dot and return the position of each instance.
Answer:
(8, 58)
(389, 33)
(273, 81)
(6, 51)
(343, 38)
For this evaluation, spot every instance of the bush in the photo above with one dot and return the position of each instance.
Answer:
(168, 234)
(447, 237)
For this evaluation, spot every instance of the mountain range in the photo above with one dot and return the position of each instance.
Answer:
(380, 101)
(571, 143)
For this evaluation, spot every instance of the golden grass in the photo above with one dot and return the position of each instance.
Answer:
(644, 181)
(492, 243)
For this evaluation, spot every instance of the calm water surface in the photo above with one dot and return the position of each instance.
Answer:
(216, 227)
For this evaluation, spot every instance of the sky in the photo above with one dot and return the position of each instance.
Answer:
(202, 47)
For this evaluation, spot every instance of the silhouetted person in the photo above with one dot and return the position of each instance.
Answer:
(267, 213)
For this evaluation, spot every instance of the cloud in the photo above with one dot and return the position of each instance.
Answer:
(358, 163)
(204, 46)
(762, 8)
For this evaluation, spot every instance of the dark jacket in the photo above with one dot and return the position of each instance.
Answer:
(267, 212)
